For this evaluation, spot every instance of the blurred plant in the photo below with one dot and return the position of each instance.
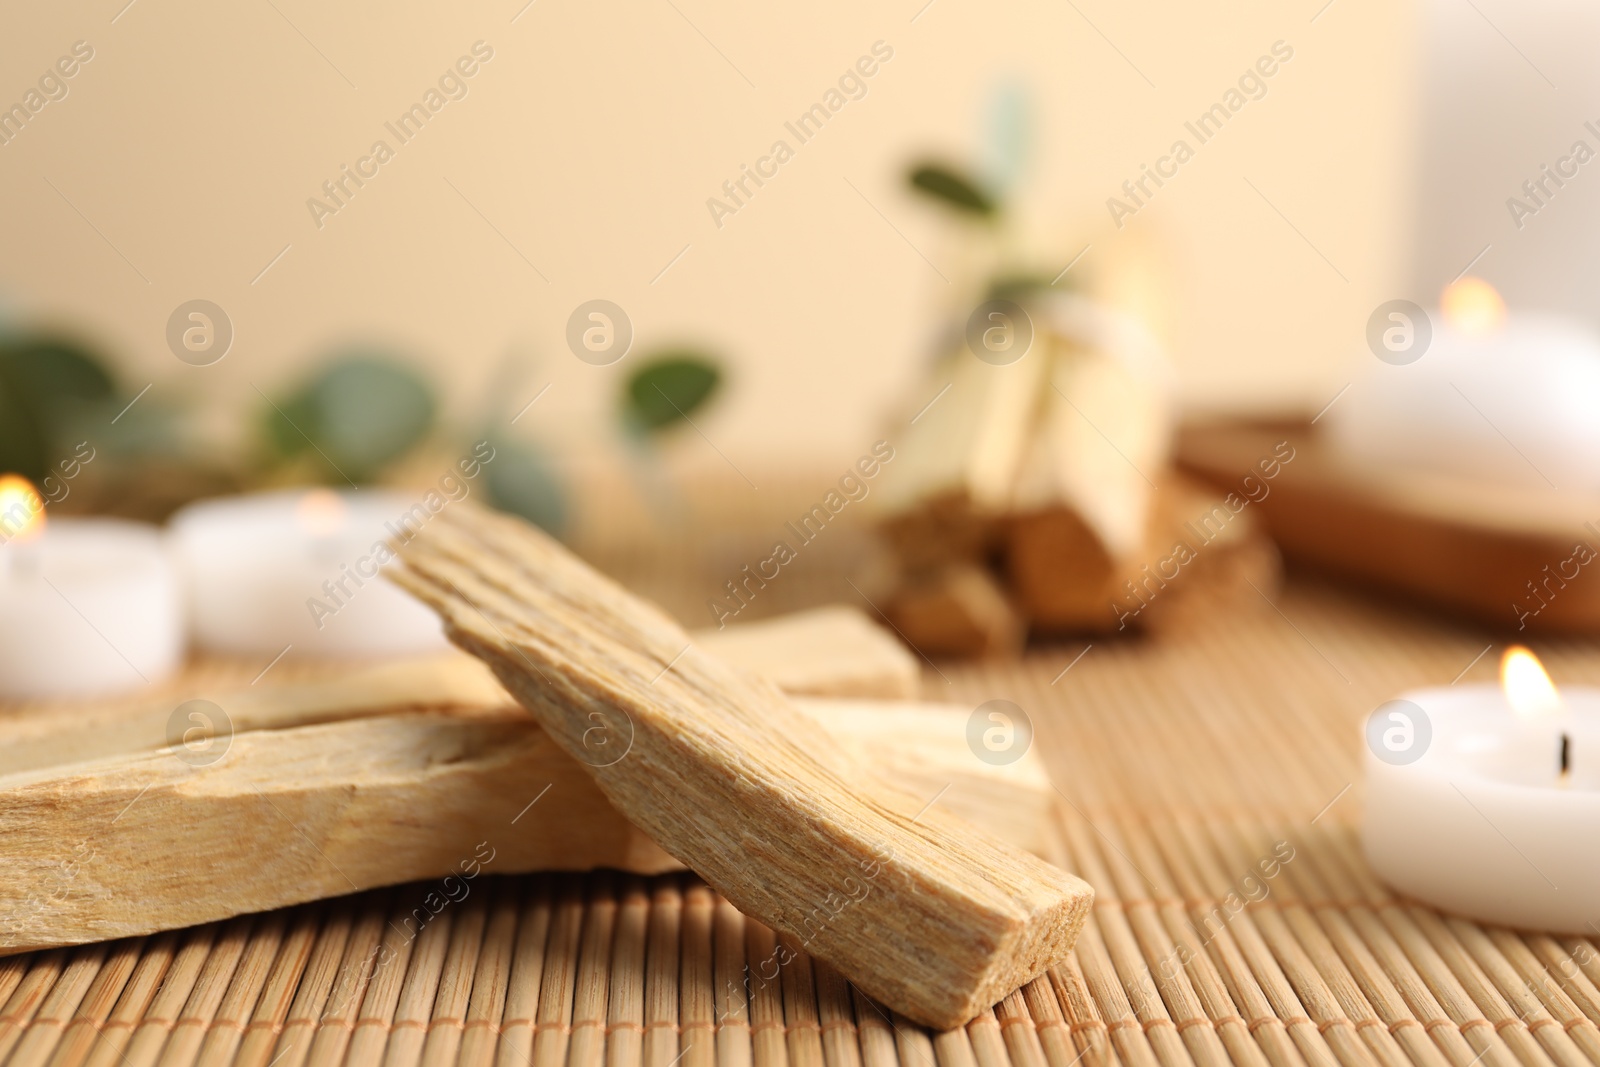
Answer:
(969, 198)
(949, 186)
(662, 394)
(358, 414)
(521, 481)
(1017, 284)
(47, 384)
(666, 389)
(363, 414)
(59, 403)
(1006, 138)
(981, 194)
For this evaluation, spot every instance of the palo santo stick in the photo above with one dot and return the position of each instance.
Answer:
(957, 609)
(36, 736)
(833, 651)
(921, 911)
(827, 652)
(142, 843)
(337, 807)
(922, 747)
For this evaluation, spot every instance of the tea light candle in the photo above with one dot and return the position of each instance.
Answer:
(87, 606)
(1485, 800)
(297, 572)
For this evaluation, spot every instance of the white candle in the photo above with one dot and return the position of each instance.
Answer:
(1491, 396)
(1468, 808)
(87, 606)
(298, 570)
(1498, 181)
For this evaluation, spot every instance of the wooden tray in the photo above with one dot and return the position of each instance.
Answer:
(1504, 557)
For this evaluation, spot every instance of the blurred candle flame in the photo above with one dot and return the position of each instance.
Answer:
(1473, 307)
(21, 510)
(1529, 689)
(320, 513)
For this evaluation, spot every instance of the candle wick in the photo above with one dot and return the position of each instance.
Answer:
(1566, 759)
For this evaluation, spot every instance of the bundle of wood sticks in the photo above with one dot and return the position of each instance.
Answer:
(1036, 494)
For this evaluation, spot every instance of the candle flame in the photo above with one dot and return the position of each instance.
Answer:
(21, 509)
(320, 513)
(1472, 306)
(1529, 689)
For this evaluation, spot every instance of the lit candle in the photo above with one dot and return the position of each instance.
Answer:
(1485, 800)
(298, 571)
(87, 606)
(1484, 395)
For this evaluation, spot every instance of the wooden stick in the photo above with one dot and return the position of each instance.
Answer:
(956, 609)
(833, 651)
(38, 736)
(826, 652)
(922, 911)
(1190, 565)
(337, 804)
(923, 748)
(141, 843)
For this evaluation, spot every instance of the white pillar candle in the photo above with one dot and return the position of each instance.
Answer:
(1492, 396)
(1495, 147)
(1469, 806)
(298, 570)
(87, 606)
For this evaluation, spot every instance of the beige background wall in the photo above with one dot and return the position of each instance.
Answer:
(593, 138)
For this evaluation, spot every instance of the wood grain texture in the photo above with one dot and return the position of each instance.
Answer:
(834, 651)
(922, 747)
(134, 844)
(344, 798)
(924, 912)
(1506, 557)
(38, 735)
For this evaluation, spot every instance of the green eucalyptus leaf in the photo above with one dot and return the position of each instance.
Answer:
(948, 185)
(520, 481)
(289, 424)
(22, 447)
(360, 413)
(372, 412)
(56, 372)
(669, 389)
(156, 427)
(44, 383)
(1016, 286)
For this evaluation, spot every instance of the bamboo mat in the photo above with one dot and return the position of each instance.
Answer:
(1186, 767)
